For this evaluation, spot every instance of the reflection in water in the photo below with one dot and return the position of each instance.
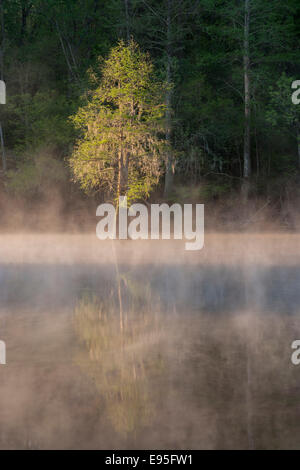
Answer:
(125, 357)
(155, 355)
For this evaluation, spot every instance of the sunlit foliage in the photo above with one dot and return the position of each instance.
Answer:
(120, 149)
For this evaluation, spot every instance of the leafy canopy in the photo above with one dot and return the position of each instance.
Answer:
(121, 121)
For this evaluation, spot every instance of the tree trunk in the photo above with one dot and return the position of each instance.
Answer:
(126, 4)
(247, 104)
(122, 174)
(64, 49)
(4, 165)
(24, 18)
(2, 39)
(122, 191)
(170, 164)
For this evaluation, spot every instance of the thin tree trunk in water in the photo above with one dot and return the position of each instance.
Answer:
(247, 155)
(123, 162)
(170, 167)
(249, 398)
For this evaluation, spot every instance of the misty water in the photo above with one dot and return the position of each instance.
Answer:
(144, 345)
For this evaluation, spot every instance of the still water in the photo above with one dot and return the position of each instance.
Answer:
(143, 345)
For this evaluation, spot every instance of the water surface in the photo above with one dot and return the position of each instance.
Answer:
(144, 345)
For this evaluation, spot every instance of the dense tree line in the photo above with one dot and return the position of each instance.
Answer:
(226, 69)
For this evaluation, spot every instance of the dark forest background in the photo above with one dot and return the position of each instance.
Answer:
(233, 129)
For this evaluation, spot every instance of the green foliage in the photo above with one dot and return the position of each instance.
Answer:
(281, 110)
(120, 126)
(36, 176)
(203, 192)
(214, 190)
(37, 120)
(50, 44)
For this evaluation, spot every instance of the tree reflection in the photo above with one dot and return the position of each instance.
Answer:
(123, 362)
